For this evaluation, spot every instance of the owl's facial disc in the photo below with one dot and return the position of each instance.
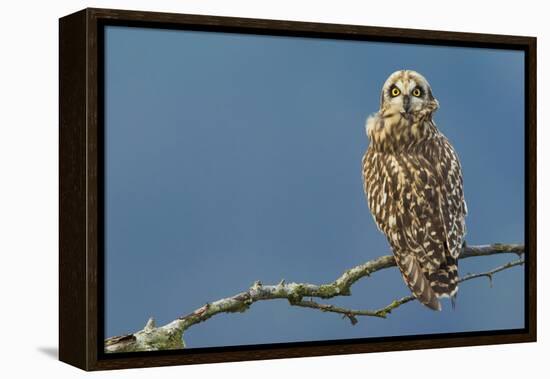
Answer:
(406, 97)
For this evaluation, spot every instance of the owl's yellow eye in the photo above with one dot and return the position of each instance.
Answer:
(416, 92)
(395, 91)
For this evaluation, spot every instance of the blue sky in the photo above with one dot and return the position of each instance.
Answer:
(232, 158)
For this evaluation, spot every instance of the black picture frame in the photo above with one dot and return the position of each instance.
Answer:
(81, 205)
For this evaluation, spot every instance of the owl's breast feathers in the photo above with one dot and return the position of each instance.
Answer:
(392, 131)
(413, 182)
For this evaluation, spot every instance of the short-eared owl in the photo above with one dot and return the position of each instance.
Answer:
(413, 182)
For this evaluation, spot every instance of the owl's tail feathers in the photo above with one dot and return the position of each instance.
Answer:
(444, 281)
(417, 281)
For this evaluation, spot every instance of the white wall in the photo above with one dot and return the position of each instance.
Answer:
(28, 189)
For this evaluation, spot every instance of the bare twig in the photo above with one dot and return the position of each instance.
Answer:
(489, 274)
(170, 335)
(383, 312)
(348, 313)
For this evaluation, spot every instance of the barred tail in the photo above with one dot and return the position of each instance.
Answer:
(444, 281)
(417, 281)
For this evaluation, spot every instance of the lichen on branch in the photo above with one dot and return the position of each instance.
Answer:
(170, 336)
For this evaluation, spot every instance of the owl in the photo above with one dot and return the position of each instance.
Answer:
(412, 179)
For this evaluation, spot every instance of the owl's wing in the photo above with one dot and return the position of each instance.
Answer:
(416, 200)
(436, 212)
(451, 197)
(399, 204)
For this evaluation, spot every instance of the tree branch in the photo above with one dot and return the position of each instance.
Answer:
(170, 335)
(383, 312)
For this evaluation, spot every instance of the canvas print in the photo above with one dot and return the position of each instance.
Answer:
(264, 190)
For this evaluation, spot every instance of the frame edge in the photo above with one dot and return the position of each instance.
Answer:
(72, 190)
(531, 182)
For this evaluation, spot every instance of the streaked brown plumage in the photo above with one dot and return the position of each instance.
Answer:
(413, 182)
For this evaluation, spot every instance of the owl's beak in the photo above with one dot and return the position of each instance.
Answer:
(406, 103)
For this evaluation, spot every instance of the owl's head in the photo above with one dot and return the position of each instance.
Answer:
(407, 92)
